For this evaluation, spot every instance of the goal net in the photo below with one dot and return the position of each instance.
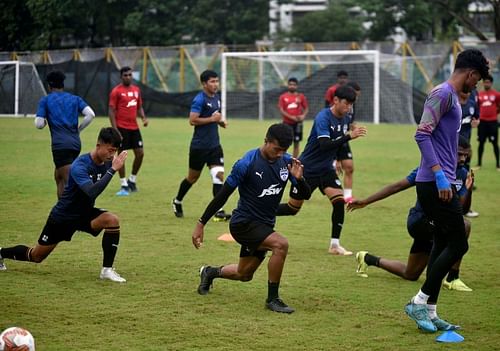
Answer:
(20, 88)
(251, 83)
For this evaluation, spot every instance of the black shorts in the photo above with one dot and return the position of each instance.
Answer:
(55, 232)
(132, 139)
(344, 152)
(328, 180)
(487, 130)
(297, 129)
(64, 157)
(250, 235)
(421, 230)
(200, 157)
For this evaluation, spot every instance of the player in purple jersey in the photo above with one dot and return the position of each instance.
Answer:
(260, 176)
(205, 148)
(419, 227)
(60, 111)
(437, 139)
(75, 211)
(329, 132)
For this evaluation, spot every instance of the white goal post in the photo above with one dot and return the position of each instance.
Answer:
(257, 78)
(20, 88)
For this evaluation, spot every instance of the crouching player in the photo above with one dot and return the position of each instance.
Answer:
(89, 176)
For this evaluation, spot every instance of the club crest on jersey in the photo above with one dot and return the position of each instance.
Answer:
(284, 173)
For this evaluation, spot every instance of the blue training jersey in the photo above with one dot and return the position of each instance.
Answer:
(61, 110)
(205, 136)
(317, 162)
(74, 203)
(261, 184)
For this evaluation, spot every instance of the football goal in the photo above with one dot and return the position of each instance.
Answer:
(20, 88)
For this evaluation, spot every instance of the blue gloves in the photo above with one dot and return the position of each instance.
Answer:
(441, 180)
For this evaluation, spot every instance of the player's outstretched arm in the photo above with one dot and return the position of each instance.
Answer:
(386, 191)
(217, 203)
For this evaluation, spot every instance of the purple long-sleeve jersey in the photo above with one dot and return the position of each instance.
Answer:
(437, 133)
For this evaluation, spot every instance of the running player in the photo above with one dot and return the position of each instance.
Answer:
(345, 164)
(294, 107)
(342, 79)
(437, 139)
(260, 175)
(89, 176)
(419, 227)
(330, 131)
(205, 148)
(125, 104)
(60, 111)
(489, 107)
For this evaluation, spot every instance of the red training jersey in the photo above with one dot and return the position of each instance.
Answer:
(293, 104)
(330, 93)
(126, 101)
(489, 104)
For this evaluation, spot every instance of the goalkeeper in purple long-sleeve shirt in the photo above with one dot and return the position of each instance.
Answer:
(437, 139)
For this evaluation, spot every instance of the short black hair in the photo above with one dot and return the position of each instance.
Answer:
(55, 79)
(207, 74)
(345, 92)
(281, 133)
(293, 79)
(354, 85)
(124, 69)
(342, 73)
(463, 142)
(110, 136)
(488, 77)
(473, 59)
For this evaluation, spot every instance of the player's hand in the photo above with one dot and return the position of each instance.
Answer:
(197, 236)
(355, 204)
(216, 117)
(474, 123)
(222, 123)
(469, 182)
(296, 168)
(17, 348)
(119, 161)
(338, 168)
(443, 186)
(357, 131)
(145, 121)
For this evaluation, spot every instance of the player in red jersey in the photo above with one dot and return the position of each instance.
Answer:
(294, 107)
(342, 79)
(125, 103)
(489, 107)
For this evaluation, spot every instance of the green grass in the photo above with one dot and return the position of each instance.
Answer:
(66, 307)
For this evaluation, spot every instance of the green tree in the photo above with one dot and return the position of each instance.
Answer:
(333, 24)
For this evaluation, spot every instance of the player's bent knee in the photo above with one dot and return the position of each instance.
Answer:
(109, 219)
(217, 174)
(246, 277)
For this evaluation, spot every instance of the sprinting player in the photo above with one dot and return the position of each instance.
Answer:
(260, 176)
(345, 164)
(329, 131)
(125, 104)
(342, 79)
(419, 227)
(60, 110)
(489, 107)
(437, 139)
(205, 148)
(89, 176)
(294, 108)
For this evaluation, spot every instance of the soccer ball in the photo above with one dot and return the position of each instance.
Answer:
(15, 336)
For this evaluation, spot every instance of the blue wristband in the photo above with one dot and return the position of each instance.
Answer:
(441, 180)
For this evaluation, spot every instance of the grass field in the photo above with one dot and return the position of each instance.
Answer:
(66, 307)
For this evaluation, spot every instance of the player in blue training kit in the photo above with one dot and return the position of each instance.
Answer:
(60, 110)
(329, 132)
(419, 227)
(260, 176)
(205, 148)
(437, 139)
(89, 176)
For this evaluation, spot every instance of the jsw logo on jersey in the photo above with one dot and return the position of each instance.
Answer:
(132, 102)
(272, 190)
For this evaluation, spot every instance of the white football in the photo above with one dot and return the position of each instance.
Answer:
(15, 336)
